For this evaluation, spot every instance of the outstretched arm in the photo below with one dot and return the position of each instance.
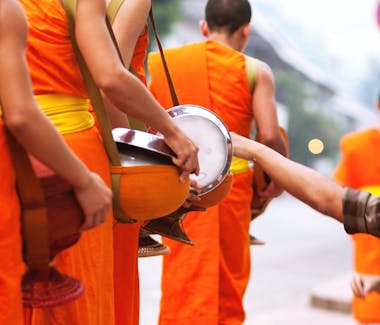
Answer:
(307, 185)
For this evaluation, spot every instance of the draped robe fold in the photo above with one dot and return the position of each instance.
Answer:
(11, 265)
(54, 70)
(205, 284)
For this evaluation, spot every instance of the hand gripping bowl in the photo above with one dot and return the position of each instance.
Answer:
(149, 181)
(205, 129)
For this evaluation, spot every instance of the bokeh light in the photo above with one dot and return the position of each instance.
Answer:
(316, 146)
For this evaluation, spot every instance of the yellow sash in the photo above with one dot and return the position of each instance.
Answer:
(239, 165)
(68, 113)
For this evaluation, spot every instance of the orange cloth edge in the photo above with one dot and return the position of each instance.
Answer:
(11, 266)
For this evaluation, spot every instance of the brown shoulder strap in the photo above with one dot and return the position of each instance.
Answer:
(93, 90)
(34, 216)
(113, 9)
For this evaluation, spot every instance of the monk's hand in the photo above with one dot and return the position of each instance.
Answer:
(193, 195)
(186, 154)
(271, 191)
(95, 198)
(363, 285)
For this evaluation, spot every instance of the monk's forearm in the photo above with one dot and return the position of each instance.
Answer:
(42, 140)
(136, 101)
(118, 119)
(122, 88)
(24, 118)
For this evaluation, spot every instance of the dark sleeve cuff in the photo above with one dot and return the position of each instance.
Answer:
(361, 212)
(354, 206)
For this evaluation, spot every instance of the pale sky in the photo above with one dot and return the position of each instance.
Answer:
(348, 26)
(336, 34)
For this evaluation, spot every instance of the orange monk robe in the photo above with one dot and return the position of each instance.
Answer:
(53, 70)
(358, 169)
(205, 284)
(126, 236)
(11, 265)
(139, 55)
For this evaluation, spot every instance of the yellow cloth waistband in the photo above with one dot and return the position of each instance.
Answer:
(239, 165)
(68, 113)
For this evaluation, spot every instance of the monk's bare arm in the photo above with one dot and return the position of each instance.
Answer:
(19, 106)
(120, 86)
(265, 114)
(264, 109)
(31, 127)
(123, 89)
(307, 185)
(128, 25)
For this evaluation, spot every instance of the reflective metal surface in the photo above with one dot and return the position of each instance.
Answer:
(202, 126)
(212, 137)
(138, 148)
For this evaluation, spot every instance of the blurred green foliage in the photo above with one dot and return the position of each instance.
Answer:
(166, 13)
(306, 120)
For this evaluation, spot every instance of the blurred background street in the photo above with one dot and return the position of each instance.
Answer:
(326, 61)
(306, 255)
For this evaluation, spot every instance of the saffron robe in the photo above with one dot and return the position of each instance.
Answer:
(126, 236)
(54, 70)
(358, 169)
(205, 284)
(11, 265)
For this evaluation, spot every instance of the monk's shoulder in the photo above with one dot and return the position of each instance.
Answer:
(187, 49)
(265, 74)
(179, 51)
(357, 140)
(12, 14)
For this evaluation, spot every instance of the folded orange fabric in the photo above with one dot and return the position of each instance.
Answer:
(11, 266)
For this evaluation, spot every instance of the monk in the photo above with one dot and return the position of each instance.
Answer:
(23, 118)
(359, 170)
(129, 23)
(205, 284)
(60, 91)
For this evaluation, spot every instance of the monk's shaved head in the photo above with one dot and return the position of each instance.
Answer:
(227, 15)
